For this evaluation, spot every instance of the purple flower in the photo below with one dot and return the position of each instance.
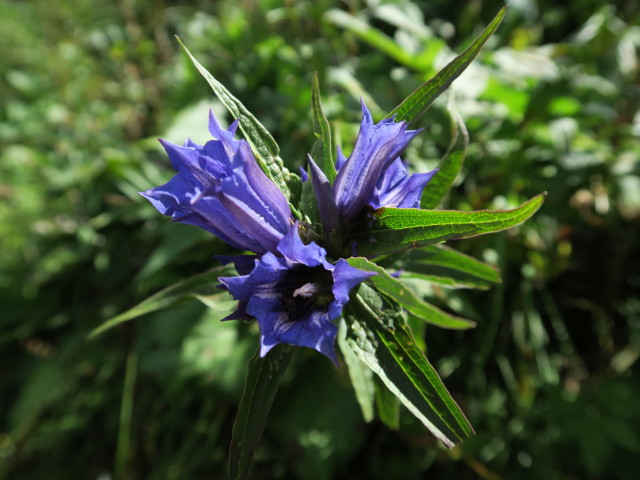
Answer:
(220, 187)
(295, 297)
(373, 174)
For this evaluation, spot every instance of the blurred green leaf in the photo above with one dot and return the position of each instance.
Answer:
(450, 165)
(378, 40)
(203, 285)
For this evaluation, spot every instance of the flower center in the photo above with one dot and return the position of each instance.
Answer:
(309, 289)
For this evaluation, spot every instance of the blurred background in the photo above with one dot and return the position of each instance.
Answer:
(549, 377)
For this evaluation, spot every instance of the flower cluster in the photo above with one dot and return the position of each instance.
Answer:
(290, 287)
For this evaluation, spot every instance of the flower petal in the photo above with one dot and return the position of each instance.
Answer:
(295, 251)
(313, 331)
(345, 277)
(397, 189)
(220, 188)
(376, 147)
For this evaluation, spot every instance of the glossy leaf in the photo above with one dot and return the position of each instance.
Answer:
(202, 287)
(406, 298)
(414, 106)
(380, 337)
(361, 376)
(260, 389)
(395, 229)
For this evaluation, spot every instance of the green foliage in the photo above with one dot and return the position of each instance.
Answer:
(379, 336)
(260, 389)
(547, 377)
(409, 228)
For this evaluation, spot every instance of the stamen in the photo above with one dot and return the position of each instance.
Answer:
(307, 290)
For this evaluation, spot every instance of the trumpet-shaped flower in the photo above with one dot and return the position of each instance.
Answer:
(373, 174)
(295, 297)
(220, 188)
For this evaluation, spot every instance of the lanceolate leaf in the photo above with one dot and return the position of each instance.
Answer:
(387, 405)
(398, 291)
(361, 376)
(323, 156)
(379, 40)
(380, 337)
(262, 143)
(451, 163)
(202, 286)
(394, 229)
(412, 107)
(260, 389)
(442, 265)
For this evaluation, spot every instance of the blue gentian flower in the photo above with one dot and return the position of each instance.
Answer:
(373, 174)
(295, 296)
(220, 188)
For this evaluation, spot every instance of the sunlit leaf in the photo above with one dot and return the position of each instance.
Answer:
(394, 229)
(380, 337)
(323, 156)
(442, 265)
(406, 298)
(414, 106)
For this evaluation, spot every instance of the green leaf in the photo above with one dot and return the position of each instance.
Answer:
(362, 378)
(384, 43)
(260, 389)
(395, 229)
(406, 298)
(202, 286)
(387, 405)
(414, 106)
(450, 165)
(309, 204)
(322, 156)
(262, 143)
(442, 265)
(380, 337)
